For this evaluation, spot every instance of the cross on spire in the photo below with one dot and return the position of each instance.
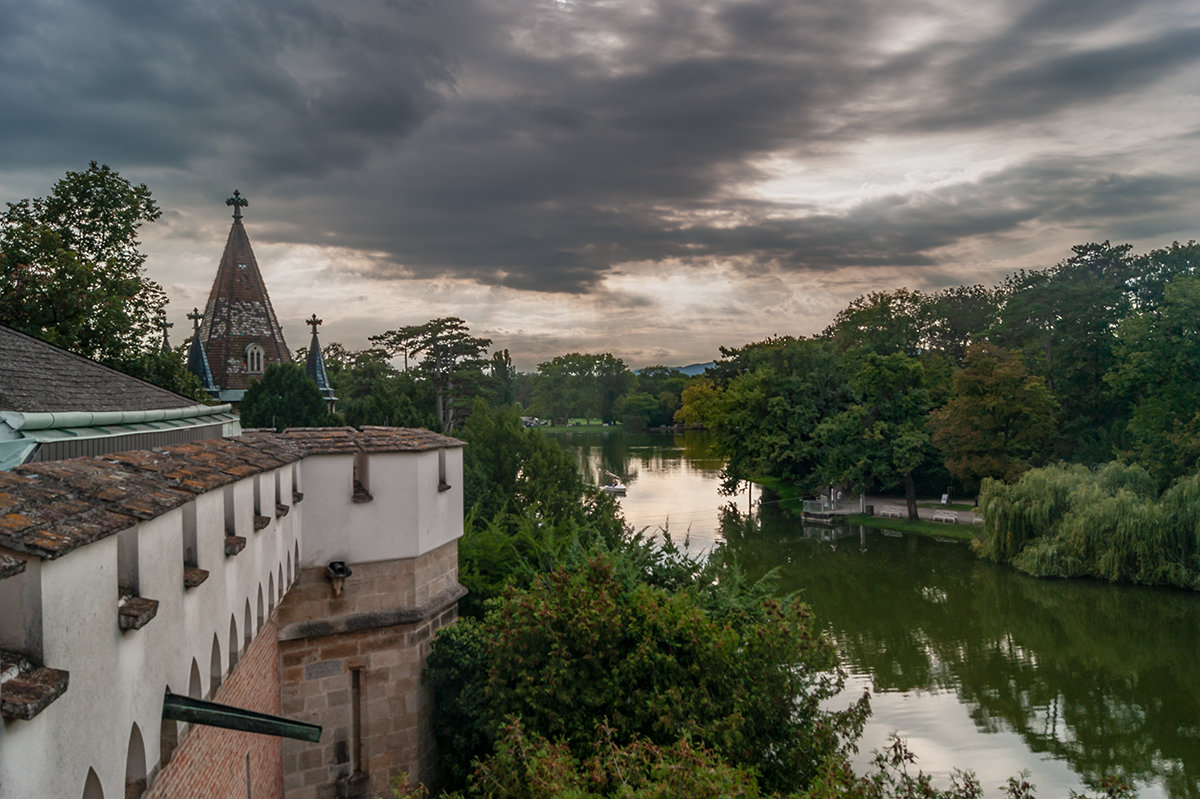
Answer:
(195, 316)
(314, 321)
(164, 325)
(238, 202)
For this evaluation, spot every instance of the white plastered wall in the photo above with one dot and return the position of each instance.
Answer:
(118, 677)
(408, 515)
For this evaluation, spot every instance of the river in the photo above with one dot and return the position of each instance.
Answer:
(976, 666)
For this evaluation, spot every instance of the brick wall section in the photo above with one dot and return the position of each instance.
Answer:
(210, 761)
(394, 703)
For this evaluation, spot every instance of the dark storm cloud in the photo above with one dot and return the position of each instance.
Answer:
(538, 144)
(270, 88)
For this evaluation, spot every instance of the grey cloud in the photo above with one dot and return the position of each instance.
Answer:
(536, 145)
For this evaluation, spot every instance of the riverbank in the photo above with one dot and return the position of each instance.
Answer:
(960, 532)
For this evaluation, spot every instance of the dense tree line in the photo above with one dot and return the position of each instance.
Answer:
(1091, 360)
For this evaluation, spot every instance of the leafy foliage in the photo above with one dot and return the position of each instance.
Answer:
(71, 271)
(285, 397)
(577, 384)
(450, 358)
(371, 391)
(880, 439)
(747, 679)
(1070, 521)
(997, 419)
(528, 509)
(763, 402)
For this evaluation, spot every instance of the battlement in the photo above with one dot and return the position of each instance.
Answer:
(127, 575)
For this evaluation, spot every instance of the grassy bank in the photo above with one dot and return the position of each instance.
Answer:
(963, 532)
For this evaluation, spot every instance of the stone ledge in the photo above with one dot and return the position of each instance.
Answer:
(375, 619)
(261, 522)
(297, 496)
(193, 576)
(28, 689)
(135, 612)
(234, 544)
(281, 509)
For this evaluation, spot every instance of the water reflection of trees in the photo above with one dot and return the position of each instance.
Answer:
(1100, 676)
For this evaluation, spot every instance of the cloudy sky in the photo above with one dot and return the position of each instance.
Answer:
(652, 179)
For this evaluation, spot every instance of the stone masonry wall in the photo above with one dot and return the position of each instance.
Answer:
(359, 674)
(211, 761)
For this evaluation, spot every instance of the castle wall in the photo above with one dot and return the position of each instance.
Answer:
(214, 762)
(109, 719)
(354, 661)
(218, 568)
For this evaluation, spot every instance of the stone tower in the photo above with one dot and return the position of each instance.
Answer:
(239, 331)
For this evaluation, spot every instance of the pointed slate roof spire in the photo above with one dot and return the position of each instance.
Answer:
(240, 332)
(314, 367)
(197, 361)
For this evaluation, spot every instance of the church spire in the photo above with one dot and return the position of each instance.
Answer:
(240, 332)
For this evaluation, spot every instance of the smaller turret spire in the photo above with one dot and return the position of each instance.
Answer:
(238, 202)
(314, 366)
(197, 362)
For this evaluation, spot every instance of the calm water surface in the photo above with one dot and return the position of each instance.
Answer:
(976, 666)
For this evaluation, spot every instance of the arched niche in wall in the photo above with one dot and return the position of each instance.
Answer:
(270, 592)
(261, 616)
(290, 574)
(135, 765)
(214, 667)
(91, 786)
(247, 627)
(168, 739)
(282, 586)
(195, 687)
(233, 642)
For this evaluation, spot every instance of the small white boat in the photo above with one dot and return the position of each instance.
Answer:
(616, 487)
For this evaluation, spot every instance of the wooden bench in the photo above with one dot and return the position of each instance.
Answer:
(946, 516)
(891, 512)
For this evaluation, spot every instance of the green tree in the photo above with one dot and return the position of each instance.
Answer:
(749, 680)
(71, 268)
(578, 384)
(285, 397)
(527, 506)
(1157, 363)
(449, 357)
(953, 319)
(762, 404)
(882, 322)
(998, 419)
(1064, 321)
(371, 391)
(638, 410)
(881, 440)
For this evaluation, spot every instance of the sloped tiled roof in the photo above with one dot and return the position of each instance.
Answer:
(49, 509)
(36, 377)
(238, 314)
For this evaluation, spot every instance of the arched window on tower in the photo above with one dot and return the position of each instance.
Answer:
(254, 359)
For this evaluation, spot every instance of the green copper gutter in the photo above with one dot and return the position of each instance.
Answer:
(44, 421)
(212, 714)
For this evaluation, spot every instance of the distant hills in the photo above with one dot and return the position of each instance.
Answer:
(689, 370)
